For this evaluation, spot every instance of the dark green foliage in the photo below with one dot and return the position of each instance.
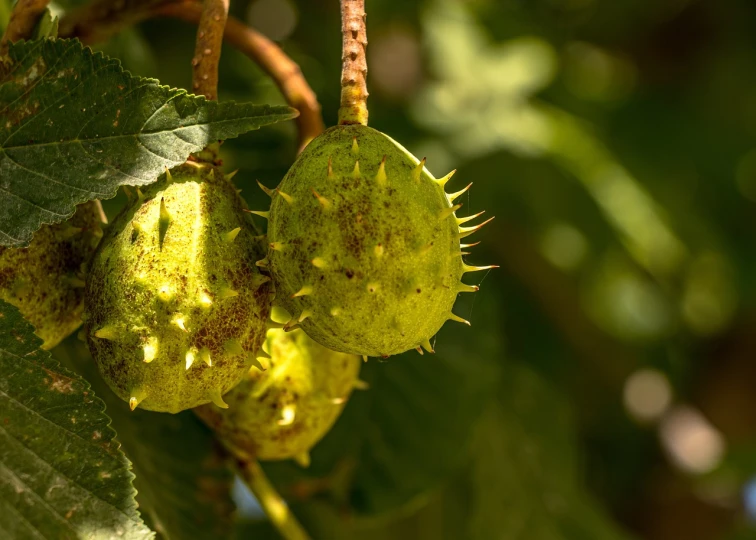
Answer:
(61, 473)
(182, 481)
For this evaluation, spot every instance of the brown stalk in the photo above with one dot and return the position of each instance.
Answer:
(100, 20)
(354, 92)
(207, 50)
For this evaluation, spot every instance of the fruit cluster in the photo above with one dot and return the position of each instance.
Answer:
(363, 250)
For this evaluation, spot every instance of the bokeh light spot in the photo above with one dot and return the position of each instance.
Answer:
(277, 19)
(749, 498)
(627, 304)
(710, 297)
(593, 74)
(395, 63)
(692, 443)
(647, 394)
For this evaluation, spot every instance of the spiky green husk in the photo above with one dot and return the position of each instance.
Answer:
(175, 306)
(364, 244)
(45, 280)
(281, 413)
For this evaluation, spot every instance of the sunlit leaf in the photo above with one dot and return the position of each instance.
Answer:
(483, 100)
(74, 126)
(47, 27)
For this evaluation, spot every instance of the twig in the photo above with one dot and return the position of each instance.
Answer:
(275, 507)
(207, 50)
(273, 60)
(286, 73)
(354, 92)
(24, 17)
(101, 20)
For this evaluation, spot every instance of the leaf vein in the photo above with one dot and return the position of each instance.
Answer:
(66, 95)
(32, 204)
(49, 178)
(98, 160)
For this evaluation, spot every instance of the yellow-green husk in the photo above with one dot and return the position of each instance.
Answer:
(45, 280)
(364, 245)
(176, 308)
(282, 412)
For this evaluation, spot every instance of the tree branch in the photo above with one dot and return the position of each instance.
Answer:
(354, 92)
(273, 60)
(207, 50)
(24, 17)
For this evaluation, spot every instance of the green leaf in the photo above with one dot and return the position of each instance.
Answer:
(182, 479)
(74, 126)
(61, 473)
(47, 27)
(404, 437)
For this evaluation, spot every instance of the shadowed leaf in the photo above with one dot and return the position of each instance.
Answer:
(183, 482)
(61, 473)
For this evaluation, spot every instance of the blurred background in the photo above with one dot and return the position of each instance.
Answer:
(605, 389)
